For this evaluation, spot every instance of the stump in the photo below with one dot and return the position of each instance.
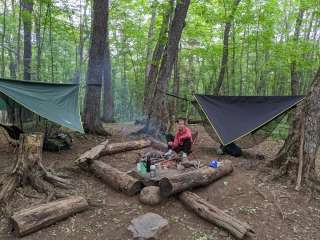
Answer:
(28, 169)
(37, 217)
(120, 181)
(214, 215)
(194, 178)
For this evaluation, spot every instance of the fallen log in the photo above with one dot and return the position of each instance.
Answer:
(120, 181)
(156, 144)
(93, 153)
(105, 148)
(195, 178)
(37, 217)
(214, 215)
(125, 146)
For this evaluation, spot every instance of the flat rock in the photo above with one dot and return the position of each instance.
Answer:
(150, 195)
(148, 226)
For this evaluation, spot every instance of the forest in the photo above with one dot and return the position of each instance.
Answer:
(122, 75)
(267, 44)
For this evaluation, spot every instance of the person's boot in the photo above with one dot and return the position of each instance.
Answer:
(168, 154)
(184, 157)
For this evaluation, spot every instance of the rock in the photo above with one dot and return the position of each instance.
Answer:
(150, 195)
(148, 226)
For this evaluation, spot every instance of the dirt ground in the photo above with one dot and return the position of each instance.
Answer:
(274, 209)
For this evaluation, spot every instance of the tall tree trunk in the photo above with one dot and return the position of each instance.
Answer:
(51, 42)
(158, 114)
(309, 122)
(38, 42)
(92, 122)
(295, 85)
(80, 47)
(173, 103)
(19, 40)
(233, 67)
(3, 67)
(261, 89)
(149, 45)
(125, 107)
(150, 82)
(27, 6)
(240, 60)
(107, 81)
(294, 118)
(224, 59)
(256, 63)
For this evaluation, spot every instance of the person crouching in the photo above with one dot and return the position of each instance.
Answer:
(181, 142)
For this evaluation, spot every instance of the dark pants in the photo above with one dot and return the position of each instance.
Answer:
(185, 147)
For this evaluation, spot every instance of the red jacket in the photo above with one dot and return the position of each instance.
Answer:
(180, 136)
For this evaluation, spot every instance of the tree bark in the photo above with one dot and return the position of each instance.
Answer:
(196, 178)
(107, 115)
(149, 46)
(40, 216)
(19, 40)
(295, 85)
(176, 87)
(80, 47)
(214, 215)
(294, 117)
(287, 158)
(224, 59)
(116, 179)
(51, 42)
(92, 122)
(3, 39)
(158, 115)
(151, 78)
(27, 6)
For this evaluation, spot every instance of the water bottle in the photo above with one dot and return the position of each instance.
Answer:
(153, 171)
(214, 164)
(141, 168)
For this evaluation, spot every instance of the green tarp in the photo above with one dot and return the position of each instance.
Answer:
(55, 102)
(2, 104)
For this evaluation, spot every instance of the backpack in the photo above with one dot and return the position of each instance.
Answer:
(232, 149)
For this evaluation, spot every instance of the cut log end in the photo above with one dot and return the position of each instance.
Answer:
(165, 187)
(135, 188)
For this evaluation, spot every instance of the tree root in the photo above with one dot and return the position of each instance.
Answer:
(28, 170)
(98, 130)
(10, 183)
(41, 180)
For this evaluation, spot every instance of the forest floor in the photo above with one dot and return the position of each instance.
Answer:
(247, 194)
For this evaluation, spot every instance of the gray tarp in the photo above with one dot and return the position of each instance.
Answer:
(55, 102)
(233, 117)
